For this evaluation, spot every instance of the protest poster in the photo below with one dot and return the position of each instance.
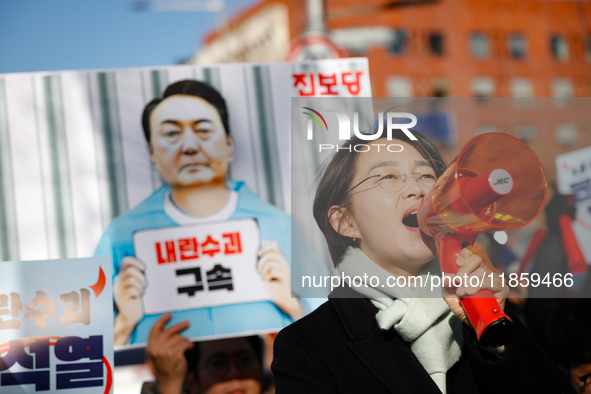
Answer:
(77, 168)
(55, 334)
(573, 172)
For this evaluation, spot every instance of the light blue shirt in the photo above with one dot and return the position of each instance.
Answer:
(243, 319)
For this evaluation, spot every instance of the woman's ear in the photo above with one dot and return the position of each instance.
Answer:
(342, 221)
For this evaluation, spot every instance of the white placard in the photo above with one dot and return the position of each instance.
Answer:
(573, 172)
(572, 168)
(199, 266)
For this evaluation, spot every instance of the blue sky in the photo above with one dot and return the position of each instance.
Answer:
(39, 35)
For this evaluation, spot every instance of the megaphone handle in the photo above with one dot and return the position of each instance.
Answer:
(493, 327)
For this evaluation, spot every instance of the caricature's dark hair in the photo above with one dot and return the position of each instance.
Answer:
(336, 177)
(568, 335)
(191, 88)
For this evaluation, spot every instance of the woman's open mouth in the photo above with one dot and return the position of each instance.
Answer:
(410, 220)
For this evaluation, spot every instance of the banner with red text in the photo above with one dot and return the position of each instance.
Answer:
(56, 326)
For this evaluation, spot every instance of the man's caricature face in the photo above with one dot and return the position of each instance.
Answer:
(189, 145)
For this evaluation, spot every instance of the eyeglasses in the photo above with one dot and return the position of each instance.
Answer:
(393, 178)
(219, 365)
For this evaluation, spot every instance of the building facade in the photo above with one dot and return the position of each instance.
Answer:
(479, 49)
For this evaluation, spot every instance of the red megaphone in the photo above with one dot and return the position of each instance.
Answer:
(496, 183)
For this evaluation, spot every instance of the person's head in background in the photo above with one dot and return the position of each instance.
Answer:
(367, 200)
(188, 135)
(225, 366)
(569, 342)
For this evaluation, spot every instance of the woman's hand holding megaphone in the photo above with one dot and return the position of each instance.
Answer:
(473, 263)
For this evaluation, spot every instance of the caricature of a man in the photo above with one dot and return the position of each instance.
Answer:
(190, 145)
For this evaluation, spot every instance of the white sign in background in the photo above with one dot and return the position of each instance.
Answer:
(56, 326)
(197, 266)
(573, 172)
(572, 168)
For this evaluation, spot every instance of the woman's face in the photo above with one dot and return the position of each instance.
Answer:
(580, 378)
(384, 221)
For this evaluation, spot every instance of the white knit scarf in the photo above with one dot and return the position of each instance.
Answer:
(427, 324)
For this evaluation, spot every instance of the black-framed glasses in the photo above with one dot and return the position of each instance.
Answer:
(219, 365)
(393, 178)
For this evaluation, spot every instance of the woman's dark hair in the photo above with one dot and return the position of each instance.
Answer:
(568, 335)
(335, 181)
(193, 355)
(191, 88)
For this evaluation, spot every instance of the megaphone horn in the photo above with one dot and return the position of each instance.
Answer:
(495, 183)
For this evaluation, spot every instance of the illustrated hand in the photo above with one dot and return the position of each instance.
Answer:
(166, 349)
(128, 288)
(473, 262)
(274, 269)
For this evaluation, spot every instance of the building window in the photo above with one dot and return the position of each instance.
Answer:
(486, 128)
(559, 48)
(566, 134)
(436, 44)
(358, 51)
(526, 132)
(480, 45)
(522, 89)
(398, 86)
(563, 90)
(440, 88)
(399, 42)
(483, 87)
(517, 46)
